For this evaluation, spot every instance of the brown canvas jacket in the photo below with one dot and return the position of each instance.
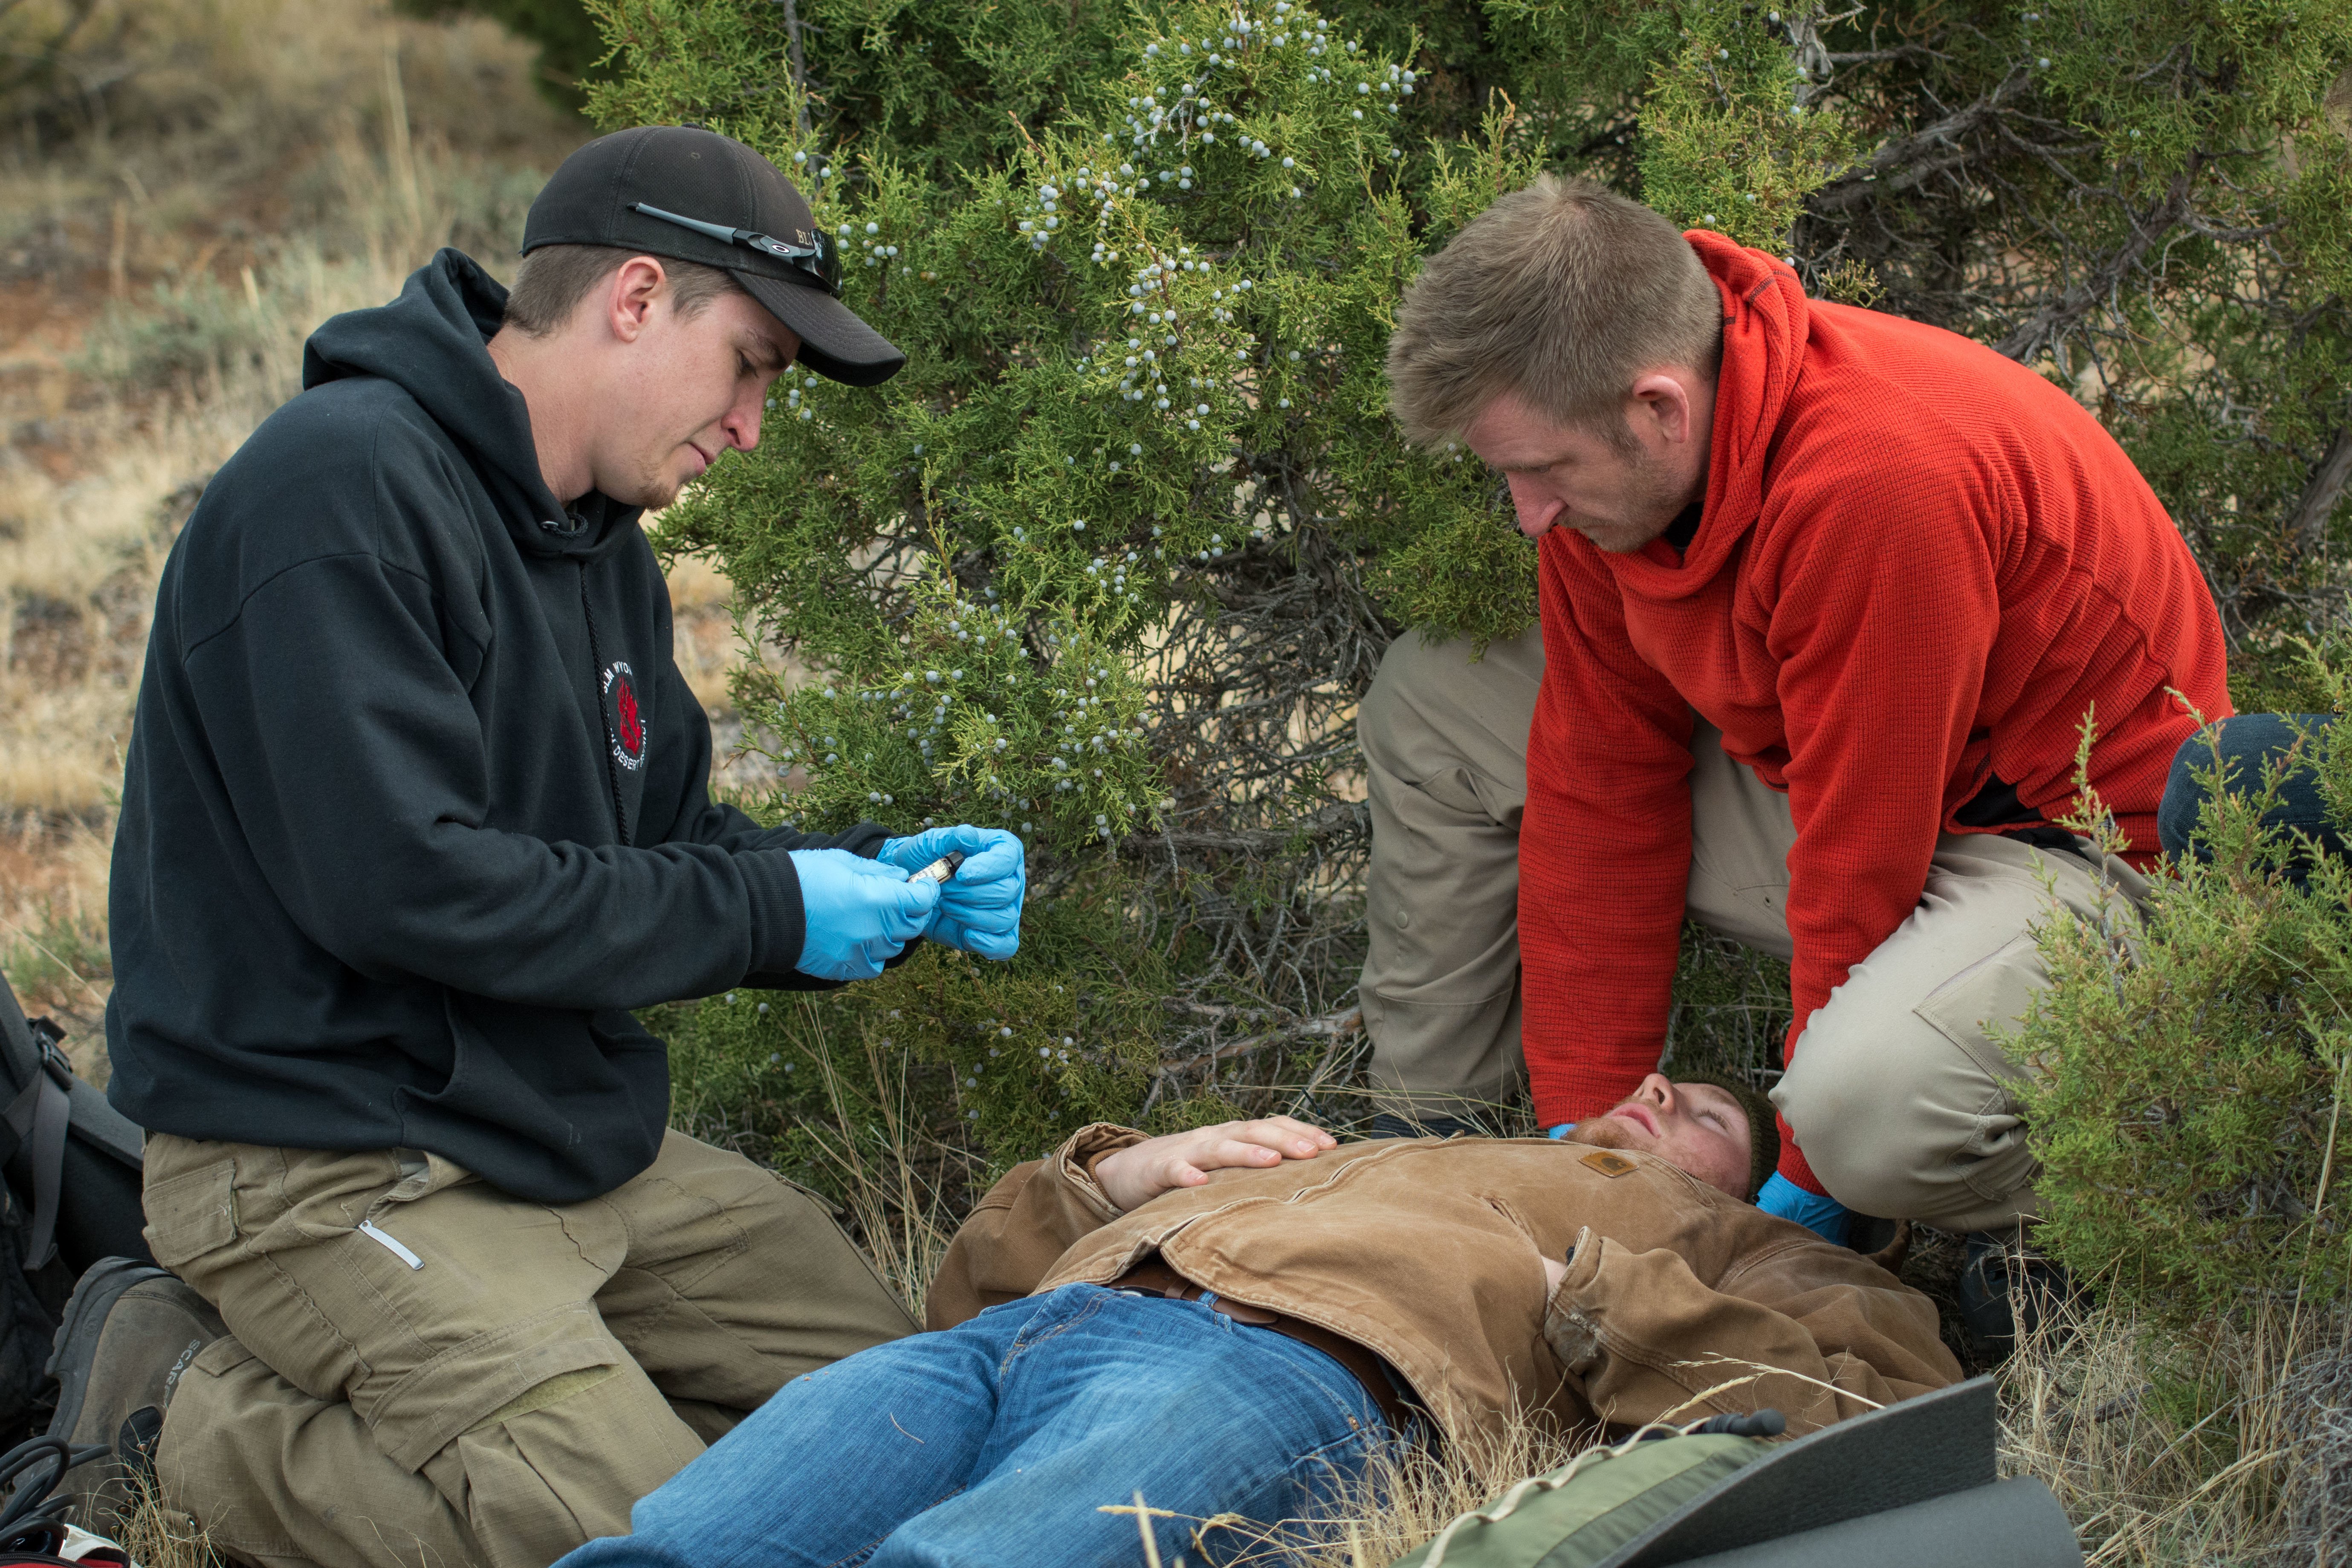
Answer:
(1678, 1299)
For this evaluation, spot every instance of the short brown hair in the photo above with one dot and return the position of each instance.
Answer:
(1562, 293)
(554, 278)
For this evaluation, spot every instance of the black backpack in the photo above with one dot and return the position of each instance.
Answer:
(70, 1196)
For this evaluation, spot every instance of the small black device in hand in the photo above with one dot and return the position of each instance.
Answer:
(941, 869)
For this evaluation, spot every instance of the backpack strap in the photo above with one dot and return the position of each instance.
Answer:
(26, 1046)
(96, 1124)
(39, 1116)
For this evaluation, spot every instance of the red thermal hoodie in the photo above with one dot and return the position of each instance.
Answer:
(1918, 567)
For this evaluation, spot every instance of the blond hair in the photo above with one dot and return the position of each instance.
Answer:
(1562, 293)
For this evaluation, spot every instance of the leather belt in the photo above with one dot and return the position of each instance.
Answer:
(1155, 1277)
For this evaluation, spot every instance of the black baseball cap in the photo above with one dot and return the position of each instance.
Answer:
(692, 194)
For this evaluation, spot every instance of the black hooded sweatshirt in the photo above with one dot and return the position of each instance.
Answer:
(417, 805)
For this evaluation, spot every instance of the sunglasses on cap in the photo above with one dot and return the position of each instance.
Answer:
(819, 261)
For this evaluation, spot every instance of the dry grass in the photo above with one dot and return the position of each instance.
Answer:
(2230, 1445)
(899, 1208)
(159, 1537)
(1410, 1495)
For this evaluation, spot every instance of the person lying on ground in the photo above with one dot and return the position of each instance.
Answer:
(416, 812)
(1231, 1322)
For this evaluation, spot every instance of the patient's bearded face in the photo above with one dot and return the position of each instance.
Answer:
(1695, 1126)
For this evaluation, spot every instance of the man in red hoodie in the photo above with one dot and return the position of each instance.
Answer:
(1829, 600)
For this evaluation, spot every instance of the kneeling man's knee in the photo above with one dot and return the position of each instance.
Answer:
(1899, 1119)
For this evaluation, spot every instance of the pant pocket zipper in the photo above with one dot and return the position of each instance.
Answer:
(368, 1230)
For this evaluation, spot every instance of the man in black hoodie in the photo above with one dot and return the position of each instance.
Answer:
(416, 811)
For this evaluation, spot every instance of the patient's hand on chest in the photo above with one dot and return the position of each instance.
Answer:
(1141, 1171)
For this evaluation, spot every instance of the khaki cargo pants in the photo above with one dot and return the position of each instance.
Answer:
(1899, 1097)
(509, 1393)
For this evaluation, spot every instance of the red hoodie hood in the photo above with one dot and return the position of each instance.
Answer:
(1765, 319)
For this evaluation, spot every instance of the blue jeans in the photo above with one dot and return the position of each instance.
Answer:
(1000, 1441)
(2247, 745)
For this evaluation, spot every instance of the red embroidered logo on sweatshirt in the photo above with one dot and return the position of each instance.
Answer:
(628, 724)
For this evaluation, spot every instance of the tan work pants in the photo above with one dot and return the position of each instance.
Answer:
(1445, 755)
(1899, 1094)
(513, 1392)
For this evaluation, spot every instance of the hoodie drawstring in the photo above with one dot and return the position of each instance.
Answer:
(611, 743)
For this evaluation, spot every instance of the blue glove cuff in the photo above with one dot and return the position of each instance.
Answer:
(860, 913)
(1562, 1130)
(1824, 1216)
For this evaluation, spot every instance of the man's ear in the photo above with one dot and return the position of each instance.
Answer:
(630, 294)
(1660, 397)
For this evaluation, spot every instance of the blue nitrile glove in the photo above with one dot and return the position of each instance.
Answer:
(1825, 1218)
(860, 912)
(1562, 1130)
(980, 907)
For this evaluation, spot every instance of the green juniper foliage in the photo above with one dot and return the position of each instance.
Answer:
(2196, 1157)
(1111, 561)
(1081, 570)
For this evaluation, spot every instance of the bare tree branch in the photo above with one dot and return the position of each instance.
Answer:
(1905, 161)
(2308, 521)
(1341, 819)
(2057, 317)
(1332, 1025)
(800, 66)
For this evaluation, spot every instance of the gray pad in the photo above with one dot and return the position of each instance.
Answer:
(1922, 1449)
(2015, 1523)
